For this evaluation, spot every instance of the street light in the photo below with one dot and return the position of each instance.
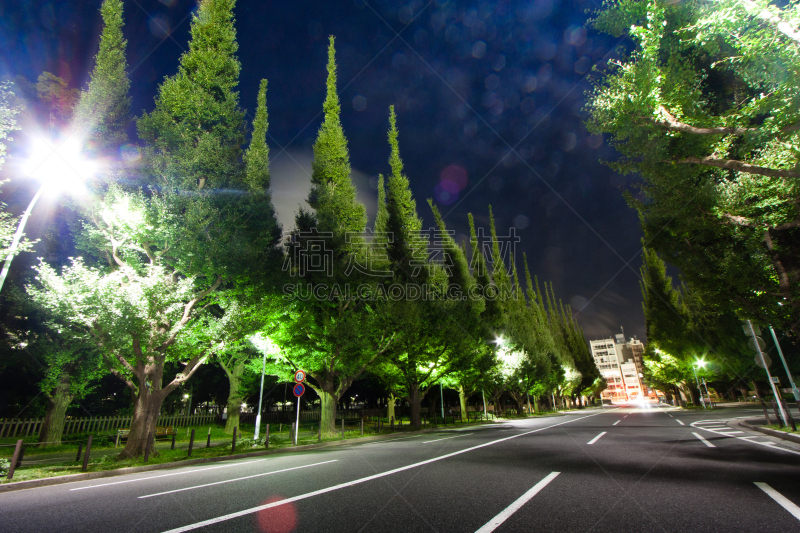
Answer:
(262, 343)
(49, 162)
(694, 369)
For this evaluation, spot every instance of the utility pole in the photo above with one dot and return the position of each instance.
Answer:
(769, 376)
(795, 392)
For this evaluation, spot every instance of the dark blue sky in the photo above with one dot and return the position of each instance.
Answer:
(489, 97)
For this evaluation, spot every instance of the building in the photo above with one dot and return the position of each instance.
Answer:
(621, 365)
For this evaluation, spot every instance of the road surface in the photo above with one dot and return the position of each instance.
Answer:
(611, 469)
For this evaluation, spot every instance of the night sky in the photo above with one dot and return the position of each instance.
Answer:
(489, 97)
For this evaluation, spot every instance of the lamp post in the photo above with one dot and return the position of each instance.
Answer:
(18, 236)
(702, 401)
(260, 394)
(48, 161)
(261, 344)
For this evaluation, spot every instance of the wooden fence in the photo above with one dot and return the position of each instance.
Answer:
(24, 427)
(31, 426)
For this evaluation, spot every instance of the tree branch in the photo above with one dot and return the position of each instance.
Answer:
(187, 312)
(741, 166)
(673, 124)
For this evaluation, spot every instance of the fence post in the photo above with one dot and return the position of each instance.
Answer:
(86, 455)
(266, 437)
(208, 439)
(116, 442)
(342, 427)
(191, 443)
(80, 449)
(147, 447)
(15, 459)
(766, 413)
(362, 426)
(174, 434)
(391, 424)
(293, 436)
(233, 443)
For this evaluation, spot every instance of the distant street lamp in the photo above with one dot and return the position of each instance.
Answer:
(694, 369)
(48, 162)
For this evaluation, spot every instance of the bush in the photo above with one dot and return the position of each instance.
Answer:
(5, 465)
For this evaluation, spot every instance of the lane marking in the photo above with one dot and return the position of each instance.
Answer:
(703, 440)
(734, 432)
(767, 444)
(453, 437)
(168, 475)
(784, 502)
(679, 422)
(669, 415)
(617, 422)
(236, 479)
(626, 416)
(596, 438)
(492, 524)
(245, 512)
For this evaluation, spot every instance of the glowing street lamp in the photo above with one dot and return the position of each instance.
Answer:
(50, 163)
(700, 363)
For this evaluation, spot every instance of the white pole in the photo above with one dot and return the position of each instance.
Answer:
(260, 396)
(297, 423)
(441, 395)
(769, 376)
(17, 237)
(789, 374)
(699, 390)
(485, 413)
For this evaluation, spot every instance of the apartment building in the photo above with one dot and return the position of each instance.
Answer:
(620, 363)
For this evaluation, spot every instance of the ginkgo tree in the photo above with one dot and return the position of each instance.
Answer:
(706, 109)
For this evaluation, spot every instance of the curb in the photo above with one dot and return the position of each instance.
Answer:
(71, 478)
(772, 432)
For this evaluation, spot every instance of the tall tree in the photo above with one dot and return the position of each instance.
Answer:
(103, 111)
(205, 225)
(327, 330)
(705, 110)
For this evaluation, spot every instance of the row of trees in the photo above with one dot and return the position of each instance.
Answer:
(182, 262)
(706, 110)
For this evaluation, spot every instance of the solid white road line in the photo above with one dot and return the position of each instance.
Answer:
(236, 479)
(453, 437)
(492, 524)
(307, 495)
(703, 440)
(617, 422)
(596, 438)
(169, 475)
(780, 498)
(670, 415)
(679, 422)
(734, 432)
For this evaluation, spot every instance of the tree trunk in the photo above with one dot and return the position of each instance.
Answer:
(235, 396)
(390, 407)
(433, 400)
(415, 400)
(145, 418)
(327, 417)
(53, 425)
(462, 400)
(695, 394)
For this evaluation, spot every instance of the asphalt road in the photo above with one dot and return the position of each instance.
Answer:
(623, 469)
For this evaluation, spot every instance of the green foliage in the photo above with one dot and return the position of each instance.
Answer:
(104, 110)
(706, 110)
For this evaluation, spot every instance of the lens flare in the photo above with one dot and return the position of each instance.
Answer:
(278, 519)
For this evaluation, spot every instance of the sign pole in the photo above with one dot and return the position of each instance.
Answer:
(297, 424)
(769, 376)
